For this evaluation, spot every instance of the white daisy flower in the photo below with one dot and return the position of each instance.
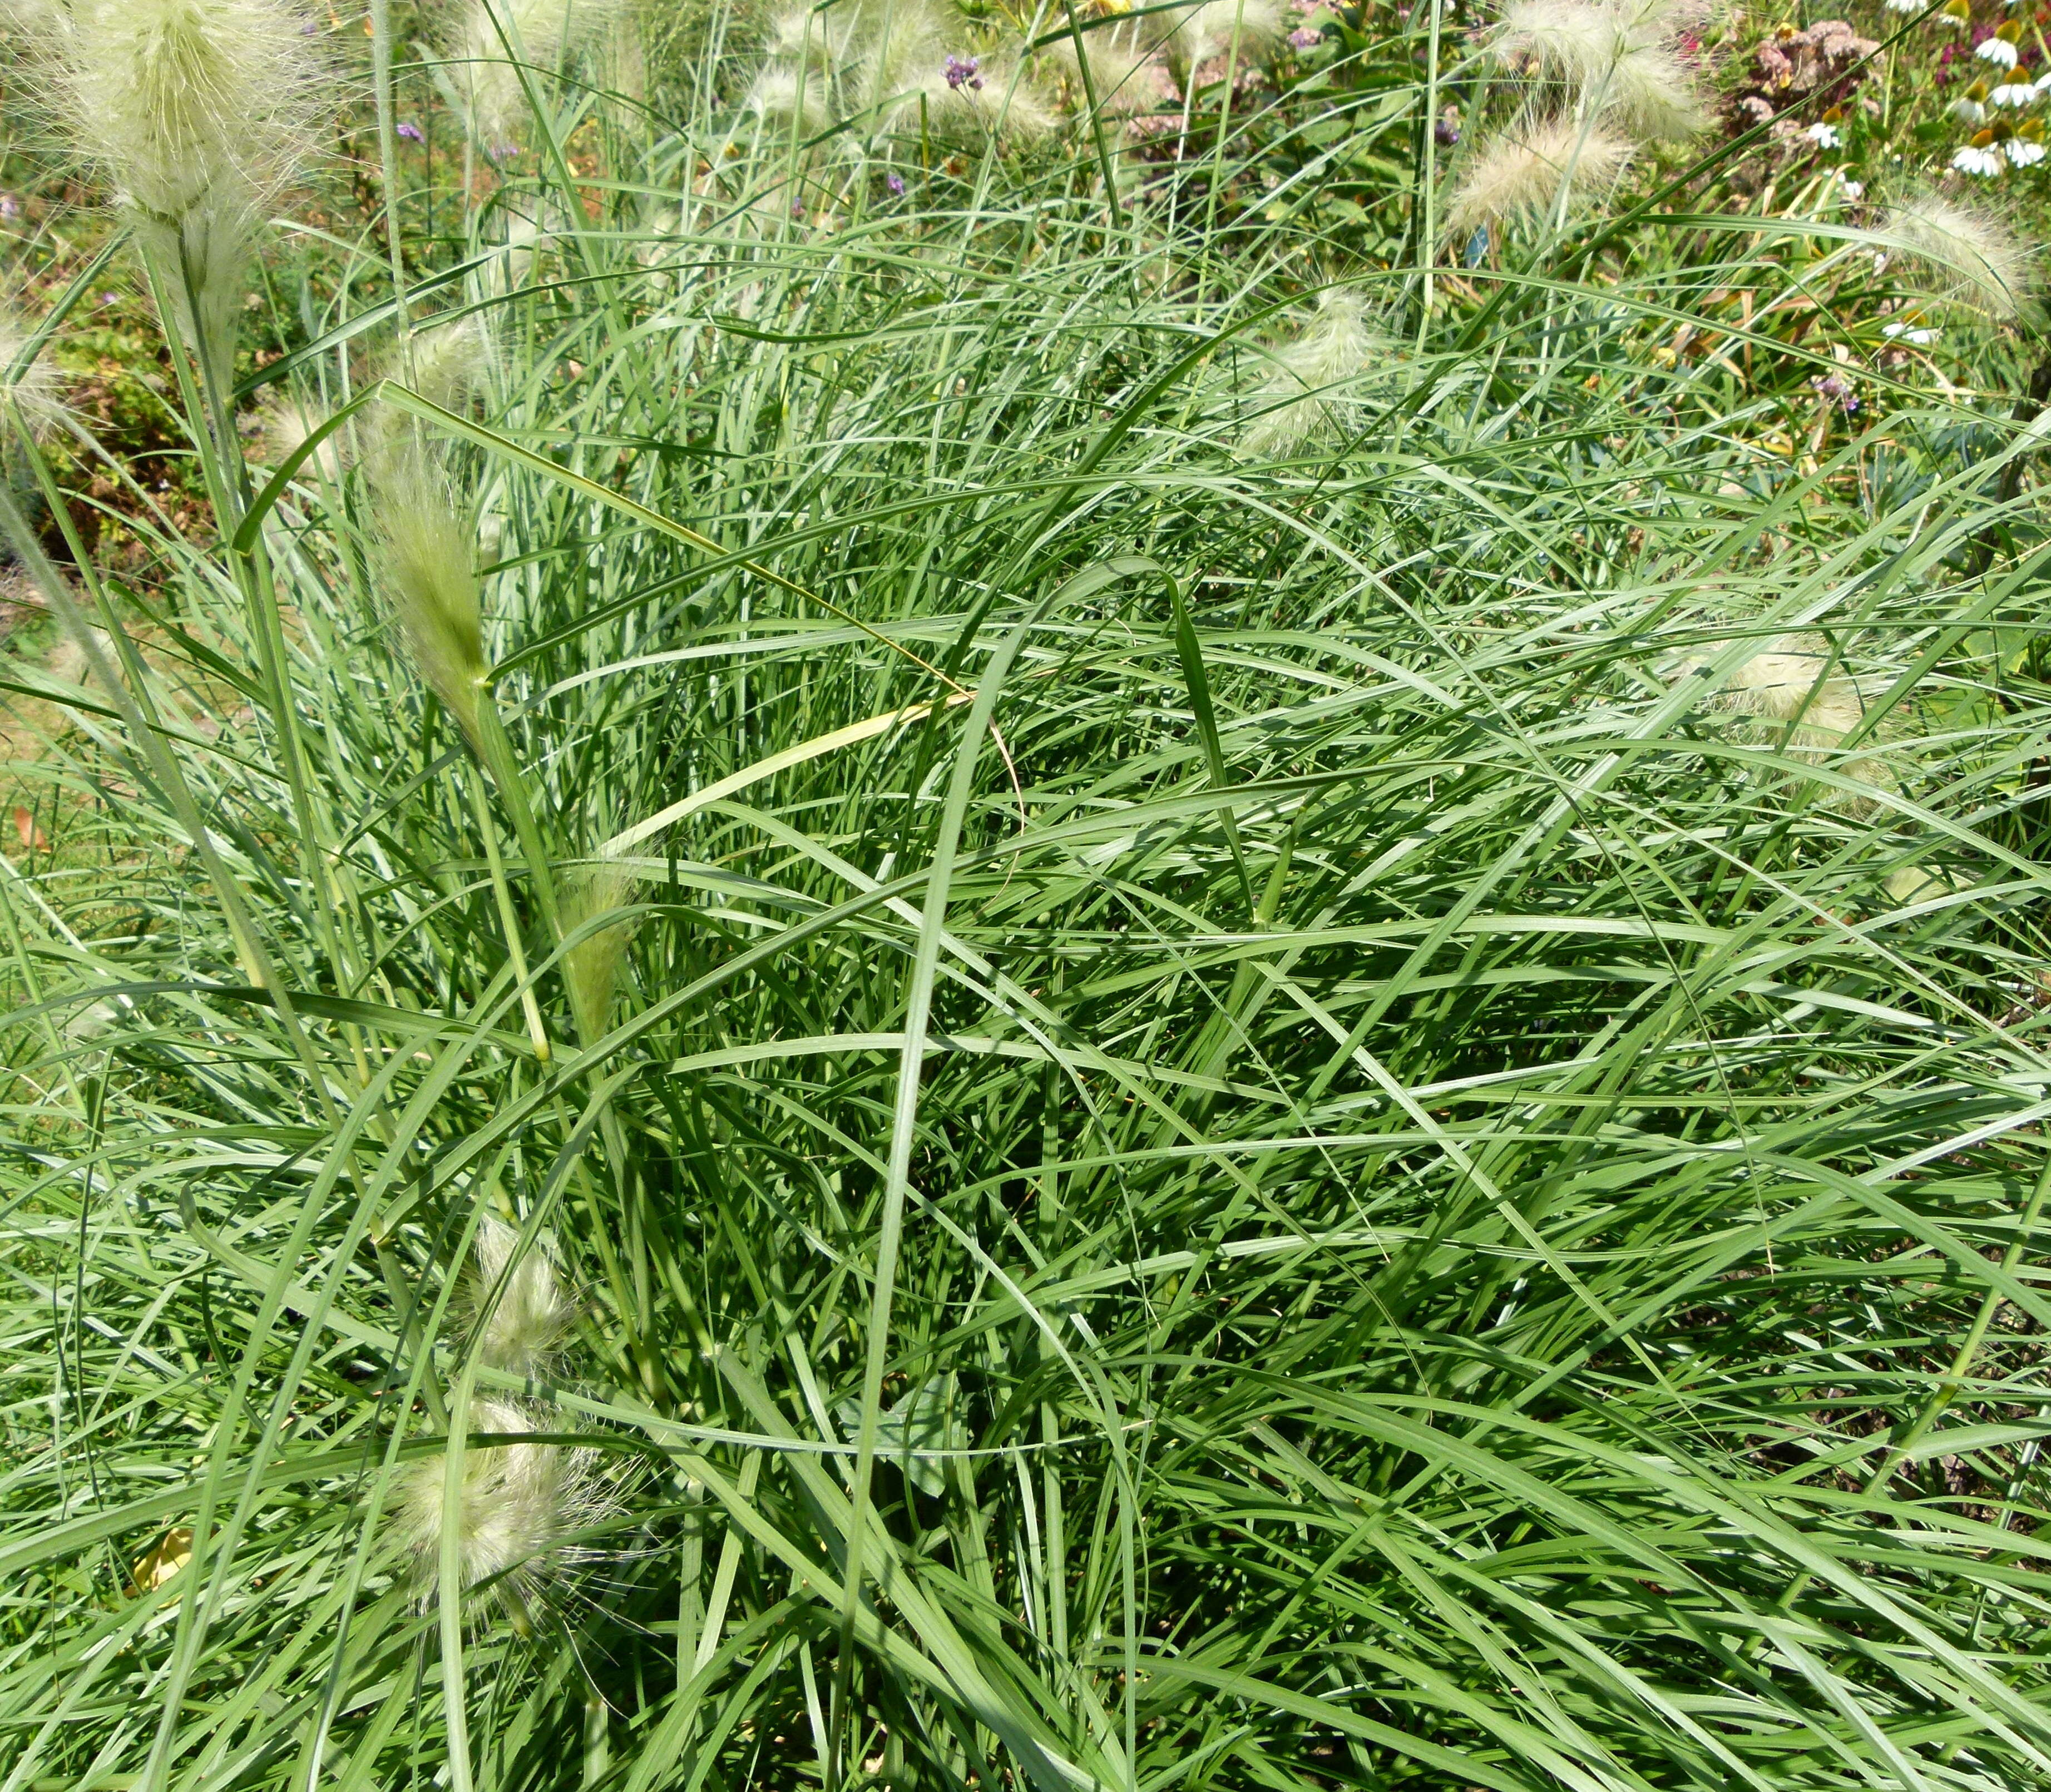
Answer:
(2016, 93)
(1967, 111)
(1824, 136)
(1854, 190)
(2025, 154)
(1913, 334)
(1907, 5)
(1972, 159)
(1998, 51)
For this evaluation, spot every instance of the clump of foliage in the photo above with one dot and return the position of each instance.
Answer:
(1101, 900)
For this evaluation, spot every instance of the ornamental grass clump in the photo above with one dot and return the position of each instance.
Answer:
(1233, 1149)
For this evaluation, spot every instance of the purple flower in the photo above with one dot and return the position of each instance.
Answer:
(412, 133)
(1446, 133)
(308, 29)
(1834, 388)
(498, 152)
(961, 72)
(895, 182)
(797, 208)
(1308, 37)
(11, 207)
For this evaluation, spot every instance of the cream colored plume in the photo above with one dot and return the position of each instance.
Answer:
(482, 60)
(519, 1314)
(1189, 37)
(1796, 694)
(1975, 257)
(33, 388)
(1524, 174)
(884, 65)
(280, 429)
(519, 1506)
(198, 111)
(1617, 56)
(1314, 390)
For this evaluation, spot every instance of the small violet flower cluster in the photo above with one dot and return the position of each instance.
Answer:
(1834, 388)
(964, 72)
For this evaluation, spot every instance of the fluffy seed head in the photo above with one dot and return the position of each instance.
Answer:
(1976, 259)
(428, 561)
(1522, 174)
(180, 100)
(448, 364)
(278, 430)
(519, 1314)
(1796, 695)
(197, 111)
(519, 1503)
(484, 81)
(602, 892)
(1616, 55)
(1309, 393)
(33, 388)
(1190, 36)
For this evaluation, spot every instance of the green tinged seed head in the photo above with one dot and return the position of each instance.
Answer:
(592, 965)
(427, 557)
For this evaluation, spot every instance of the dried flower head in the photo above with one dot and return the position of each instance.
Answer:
(519, 1313)
(279, 429)
(1314, 386)
(427, 558)
(602, 894)
(1528, 173)
(521, 1504)
(1975, 258)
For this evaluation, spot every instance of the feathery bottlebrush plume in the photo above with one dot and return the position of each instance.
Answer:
(33, 388)
(519, 1313)
(1189, 37)
(427, 558)
(520, 1505)
(591, 967)
(1521, 173)
(198, 111)
(1795, 692)
(1121, 68)
(1977, 259)
(1618, 56)
(277, 431)
(1308, 395)
(450, 364)
(480, 75)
